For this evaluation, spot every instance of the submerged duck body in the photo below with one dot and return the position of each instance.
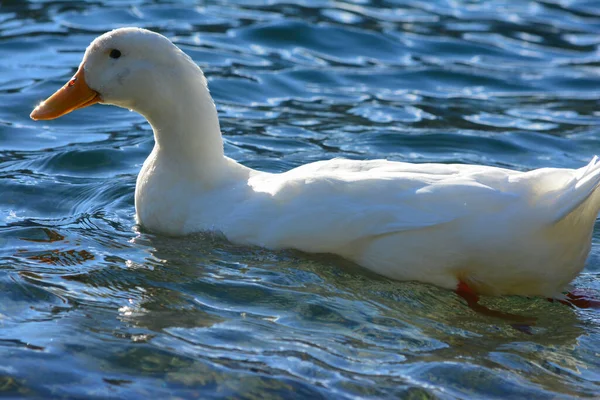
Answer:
(497, 230)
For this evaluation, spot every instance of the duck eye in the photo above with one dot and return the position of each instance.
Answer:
(114, 53)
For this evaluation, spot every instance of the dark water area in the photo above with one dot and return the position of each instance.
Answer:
(90, 307)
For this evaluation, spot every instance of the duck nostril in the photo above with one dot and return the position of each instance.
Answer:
(72, 82)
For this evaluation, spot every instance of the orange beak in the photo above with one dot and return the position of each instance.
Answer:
(73, 95)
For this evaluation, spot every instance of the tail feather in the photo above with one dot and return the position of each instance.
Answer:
(584, 183)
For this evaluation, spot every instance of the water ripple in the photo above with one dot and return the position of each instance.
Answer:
(93, 308)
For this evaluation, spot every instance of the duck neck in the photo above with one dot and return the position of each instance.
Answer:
(187, 133)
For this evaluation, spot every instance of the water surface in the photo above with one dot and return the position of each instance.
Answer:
(90, 307)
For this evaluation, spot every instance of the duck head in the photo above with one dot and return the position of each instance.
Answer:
(127, 67)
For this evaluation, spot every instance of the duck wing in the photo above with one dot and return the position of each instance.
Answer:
(326, 205)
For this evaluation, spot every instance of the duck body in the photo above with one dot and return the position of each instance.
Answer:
(500, 231)
(497, 230)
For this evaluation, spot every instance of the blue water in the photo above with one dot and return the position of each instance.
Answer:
(90, 307)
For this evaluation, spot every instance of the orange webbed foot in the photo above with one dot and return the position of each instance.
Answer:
(580, 298)
(519, 322)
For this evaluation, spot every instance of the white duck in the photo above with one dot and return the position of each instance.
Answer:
(476, 229)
